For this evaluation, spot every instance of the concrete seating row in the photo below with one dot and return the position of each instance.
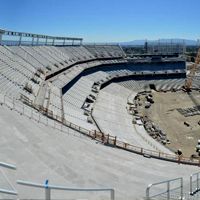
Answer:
(68, 75)
(105, 51)
(160, 84)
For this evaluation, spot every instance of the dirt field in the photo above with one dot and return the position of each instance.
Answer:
(164, 114)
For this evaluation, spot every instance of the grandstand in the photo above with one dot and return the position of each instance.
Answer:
(65, 104)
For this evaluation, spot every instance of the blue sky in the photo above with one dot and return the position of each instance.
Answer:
(104, 20)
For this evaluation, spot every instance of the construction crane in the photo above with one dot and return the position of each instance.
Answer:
(193, 69)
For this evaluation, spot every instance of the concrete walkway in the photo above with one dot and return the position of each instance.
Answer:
(41, 153)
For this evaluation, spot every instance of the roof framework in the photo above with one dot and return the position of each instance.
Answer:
(35, 39)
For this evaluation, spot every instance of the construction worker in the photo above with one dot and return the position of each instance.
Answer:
(180, 154)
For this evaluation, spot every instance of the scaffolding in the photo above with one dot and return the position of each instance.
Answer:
(166, 47)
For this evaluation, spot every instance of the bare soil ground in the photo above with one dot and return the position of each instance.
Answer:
(164, 114)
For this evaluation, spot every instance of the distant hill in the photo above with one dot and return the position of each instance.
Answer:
(141, 42)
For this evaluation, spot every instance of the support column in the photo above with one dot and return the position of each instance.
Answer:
(171, 50)
(20, 39)
(159, 51)
(46, 41)
(33, 41)
(64, 42)
(0, 39)
(37, 40)
(53, 41)
(72, 42)
(184, 46)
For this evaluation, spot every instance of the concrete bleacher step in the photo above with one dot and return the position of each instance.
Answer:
(39, 100)
(47, 98)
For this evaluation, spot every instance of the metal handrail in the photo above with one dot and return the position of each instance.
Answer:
(2, 190)
(168, 190)
(10, 192)
(197, 180)
(48, 189)
(6, 165)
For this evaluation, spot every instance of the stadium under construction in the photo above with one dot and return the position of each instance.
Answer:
(90, 121)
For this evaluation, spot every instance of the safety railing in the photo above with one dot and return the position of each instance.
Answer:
(48, 188)
(165, 190)
(194, 183)
(51, 120)
(3, 190)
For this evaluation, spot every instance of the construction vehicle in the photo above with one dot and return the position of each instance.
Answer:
(190, 76)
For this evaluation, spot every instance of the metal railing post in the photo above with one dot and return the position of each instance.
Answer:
(197, 181)
(47, 193)
(181, 188)
(191, 192)
(147, 192)
(168, 190)
(112, 194)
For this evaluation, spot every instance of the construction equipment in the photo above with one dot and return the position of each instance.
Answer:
(193, 69)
